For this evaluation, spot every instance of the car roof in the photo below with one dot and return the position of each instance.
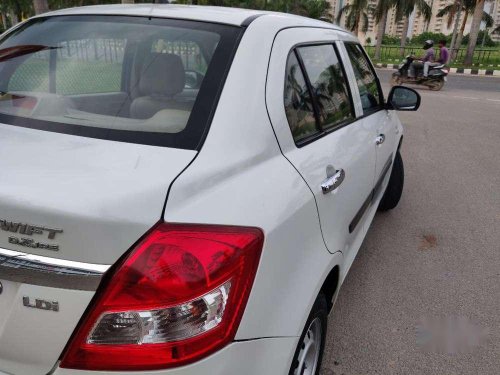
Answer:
(229, 16)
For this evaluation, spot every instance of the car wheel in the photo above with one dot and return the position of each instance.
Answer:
(309, 352)
(394, 189)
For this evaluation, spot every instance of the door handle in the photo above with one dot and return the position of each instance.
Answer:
(333, 182)
(380, 139)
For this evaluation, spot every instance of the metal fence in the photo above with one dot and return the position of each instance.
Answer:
(484, 57)
(91, 66)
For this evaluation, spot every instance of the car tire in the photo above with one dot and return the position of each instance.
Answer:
(309, 352)
(394, 188)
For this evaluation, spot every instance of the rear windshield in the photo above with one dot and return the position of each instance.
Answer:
(130, 79)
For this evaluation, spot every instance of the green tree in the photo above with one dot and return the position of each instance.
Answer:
(474, 31)
(319, 9)
(40, 6)
(356, 16)
(452, 11)
(421, 38)
(488, 42)
(15, 10)
(380, 15)
(404, 9)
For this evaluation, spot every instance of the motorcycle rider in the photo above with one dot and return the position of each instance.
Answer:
(444, 56)
(428, 57)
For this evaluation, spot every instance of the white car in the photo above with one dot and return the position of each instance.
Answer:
(184, 189)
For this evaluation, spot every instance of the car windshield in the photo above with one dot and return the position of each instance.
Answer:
(132, 79)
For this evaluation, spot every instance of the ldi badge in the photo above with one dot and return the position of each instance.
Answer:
(41, 304)
(29, 230)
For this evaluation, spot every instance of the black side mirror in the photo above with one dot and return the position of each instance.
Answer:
(403, 99)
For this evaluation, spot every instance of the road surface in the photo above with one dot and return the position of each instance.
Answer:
(423, 295)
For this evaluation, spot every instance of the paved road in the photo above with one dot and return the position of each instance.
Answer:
(423, 295)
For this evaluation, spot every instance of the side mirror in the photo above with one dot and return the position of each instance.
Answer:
(403, 99)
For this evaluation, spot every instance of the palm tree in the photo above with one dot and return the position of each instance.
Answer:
(467, 8)
(40, 6)
(356, 16)
(474, 31)
(404, 9)
(380, 14)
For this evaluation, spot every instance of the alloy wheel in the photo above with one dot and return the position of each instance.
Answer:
(310, 348)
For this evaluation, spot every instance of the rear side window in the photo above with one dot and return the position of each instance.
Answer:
(130, 79)
(369, 90)
(317, 97)
(328, 83)
(298, 102)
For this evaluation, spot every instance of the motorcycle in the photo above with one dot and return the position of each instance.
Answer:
(434, 81)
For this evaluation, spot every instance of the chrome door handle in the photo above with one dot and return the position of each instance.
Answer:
(380, 139)
(333, 182)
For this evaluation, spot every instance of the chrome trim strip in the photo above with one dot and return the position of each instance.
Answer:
(44, 271)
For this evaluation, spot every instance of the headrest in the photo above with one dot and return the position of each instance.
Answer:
(162, 74)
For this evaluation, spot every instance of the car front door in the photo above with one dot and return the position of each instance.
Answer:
(385, 130)
(311, 109)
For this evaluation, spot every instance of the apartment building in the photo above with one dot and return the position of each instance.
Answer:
(495, 13)
(417, 23)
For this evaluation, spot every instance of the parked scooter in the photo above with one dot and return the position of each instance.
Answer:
(434, 81)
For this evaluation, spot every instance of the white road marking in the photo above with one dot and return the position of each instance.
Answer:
(466, 97)
(494, 100)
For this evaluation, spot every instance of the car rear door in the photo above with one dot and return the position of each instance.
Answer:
(311, 109)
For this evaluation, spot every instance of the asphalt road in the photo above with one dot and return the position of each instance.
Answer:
(423, 295)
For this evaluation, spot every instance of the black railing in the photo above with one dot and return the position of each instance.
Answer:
(396, 53)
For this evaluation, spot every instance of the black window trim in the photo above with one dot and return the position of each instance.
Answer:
(321, 131)
(377, 80)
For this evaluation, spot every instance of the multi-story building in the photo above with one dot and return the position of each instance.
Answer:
(393, 26)
(495, 13)
(336, 6)
(417, 23)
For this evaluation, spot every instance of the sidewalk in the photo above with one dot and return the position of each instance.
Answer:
(474, 71)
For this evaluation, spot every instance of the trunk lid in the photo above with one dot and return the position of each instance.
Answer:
(74, 199)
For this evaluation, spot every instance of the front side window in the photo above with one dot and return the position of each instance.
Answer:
(130, 79)
(328, 83)
(369, 91)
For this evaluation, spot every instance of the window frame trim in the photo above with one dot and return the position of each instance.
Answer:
(381, 106)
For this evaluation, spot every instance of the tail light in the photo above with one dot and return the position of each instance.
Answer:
(176, 298)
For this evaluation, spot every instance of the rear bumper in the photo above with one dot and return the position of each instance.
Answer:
(271, 356)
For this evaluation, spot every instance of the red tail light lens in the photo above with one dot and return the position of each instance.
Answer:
(178, 297)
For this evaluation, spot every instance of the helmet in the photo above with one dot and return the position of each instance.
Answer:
(428, 44)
